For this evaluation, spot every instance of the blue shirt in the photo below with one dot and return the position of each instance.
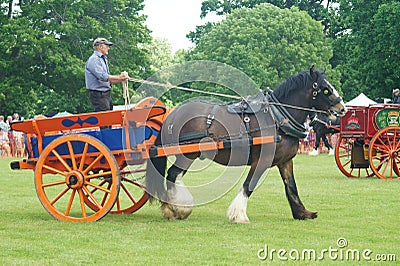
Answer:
(96, 73)
(3, 126)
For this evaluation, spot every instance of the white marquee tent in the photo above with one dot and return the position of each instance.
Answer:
(361, 100)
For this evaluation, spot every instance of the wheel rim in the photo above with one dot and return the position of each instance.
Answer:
(66, 172)
(343, 159)
(384, 153)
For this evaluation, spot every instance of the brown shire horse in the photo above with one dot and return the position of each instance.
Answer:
(196, 120)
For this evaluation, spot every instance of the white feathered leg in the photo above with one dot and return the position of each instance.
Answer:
(180, 202)
(237, 210)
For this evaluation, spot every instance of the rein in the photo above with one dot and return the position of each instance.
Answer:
(169, 86)
(299, 108)
(126, 94)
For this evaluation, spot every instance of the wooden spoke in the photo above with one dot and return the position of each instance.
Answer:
(62, 182)
(71, 199)
(107, 190)
(52, 169)
(82, 202)
(92, 198)
(98, 158)
(72, 155)
(102, 174)
(62, 193)
(83, 158)
(61, 160)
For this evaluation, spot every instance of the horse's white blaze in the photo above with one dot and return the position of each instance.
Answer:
(238, 208)
(335, 92)
(180, 202)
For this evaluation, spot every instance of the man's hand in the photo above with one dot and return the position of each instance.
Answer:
(121, 77)
(124, 75)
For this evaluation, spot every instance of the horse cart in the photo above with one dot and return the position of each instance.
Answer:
(82, 172)
(369, 142)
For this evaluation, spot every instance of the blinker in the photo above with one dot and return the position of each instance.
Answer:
(327, 92)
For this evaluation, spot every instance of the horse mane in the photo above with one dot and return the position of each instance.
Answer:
(295, 82)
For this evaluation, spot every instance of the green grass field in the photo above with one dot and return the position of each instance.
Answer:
(362, 212)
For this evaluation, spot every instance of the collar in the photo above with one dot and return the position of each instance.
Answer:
(97, 53)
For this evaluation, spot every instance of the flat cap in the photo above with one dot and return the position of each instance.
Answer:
(99, 41)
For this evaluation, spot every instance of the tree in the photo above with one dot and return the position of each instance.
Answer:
(44, 47)
(381, 65)
(319, 10)
(268, 43)
(366, 49)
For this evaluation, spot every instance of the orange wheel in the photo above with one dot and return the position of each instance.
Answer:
(68, 169)
(343, 151)
(132, 195)
(384, 154)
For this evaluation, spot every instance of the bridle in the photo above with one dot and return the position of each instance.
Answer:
(325, 92)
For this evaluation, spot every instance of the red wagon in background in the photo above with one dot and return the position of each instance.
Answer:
(369, 142)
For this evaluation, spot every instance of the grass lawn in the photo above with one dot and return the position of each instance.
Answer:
(362, 212)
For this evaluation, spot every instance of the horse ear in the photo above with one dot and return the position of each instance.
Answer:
(312, 70)
(313, 73)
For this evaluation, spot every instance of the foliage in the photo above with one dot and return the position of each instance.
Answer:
(44, 46)
(201, 30)
(367, 48)
(161, 54)
(268, 44)
(317, 9)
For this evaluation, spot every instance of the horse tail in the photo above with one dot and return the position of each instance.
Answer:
(155, 173)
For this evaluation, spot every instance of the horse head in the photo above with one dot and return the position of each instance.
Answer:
(324, 94)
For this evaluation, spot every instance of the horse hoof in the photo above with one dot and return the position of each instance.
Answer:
(306, 215)
(237, 215)
(237, 220)
(174, 212)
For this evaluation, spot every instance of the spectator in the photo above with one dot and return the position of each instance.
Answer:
(9, 120)
(396, 96)
(322, 129)
(3, 125)
(4, 144)
(19, 143)
(11, 136)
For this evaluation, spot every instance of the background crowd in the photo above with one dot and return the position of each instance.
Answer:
(12, 142)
